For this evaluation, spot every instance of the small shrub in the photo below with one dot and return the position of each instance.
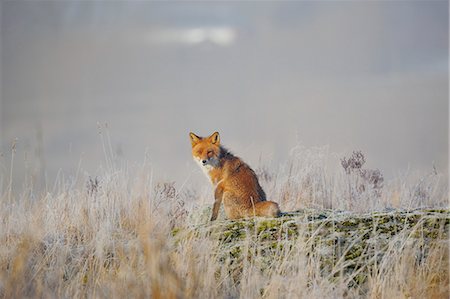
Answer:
(362, 182)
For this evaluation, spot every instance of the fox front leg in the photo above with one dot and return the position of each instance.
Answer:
(218, 193)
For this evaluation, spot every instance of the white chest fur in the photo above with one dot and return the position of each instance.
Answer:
(206, 168)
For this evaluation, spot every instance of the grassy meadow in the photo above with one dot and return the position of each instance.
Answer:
(118, 236)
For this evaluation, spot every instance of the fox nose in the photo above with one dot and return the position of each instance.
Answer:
(204, 162)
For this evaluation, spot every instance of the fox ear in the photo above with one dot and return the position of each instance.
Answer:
(194, 138)
(215, 138)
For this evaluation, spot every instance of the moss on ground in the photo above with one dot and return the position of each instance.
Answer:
(336, 237)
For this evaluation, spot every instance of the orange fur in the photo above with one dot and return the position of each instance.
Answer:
(236, 184)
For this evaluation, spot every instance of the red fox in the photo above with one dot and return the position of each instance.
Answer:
(236, 184)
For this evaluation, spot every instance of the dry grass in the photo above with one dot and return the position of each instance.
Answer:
(112, 238)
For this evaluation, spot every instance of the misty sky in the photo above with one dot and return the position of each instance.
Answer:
(267, 75)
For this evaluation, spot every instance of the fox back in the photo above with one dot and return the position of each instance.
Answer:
(236, 184)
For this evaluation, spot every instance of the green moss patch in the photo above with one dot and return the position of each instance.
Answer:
(340, 240)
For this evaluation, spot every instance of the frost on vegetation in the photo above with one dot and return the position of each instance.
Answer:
(125, 236)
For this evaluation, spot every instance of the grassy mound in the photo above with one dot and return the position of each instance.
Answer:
(344, 243)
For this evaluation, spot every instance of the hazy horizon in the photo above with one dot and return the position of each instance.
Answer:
(268, 76)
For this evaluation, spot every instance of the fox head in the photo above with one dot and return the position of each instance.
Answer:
(206, 150)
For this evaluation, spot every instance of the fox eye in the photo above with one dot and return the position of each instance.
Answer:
(210, 152)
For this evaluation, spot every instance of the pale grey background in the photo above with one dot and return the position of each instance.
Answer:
(268, 76)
